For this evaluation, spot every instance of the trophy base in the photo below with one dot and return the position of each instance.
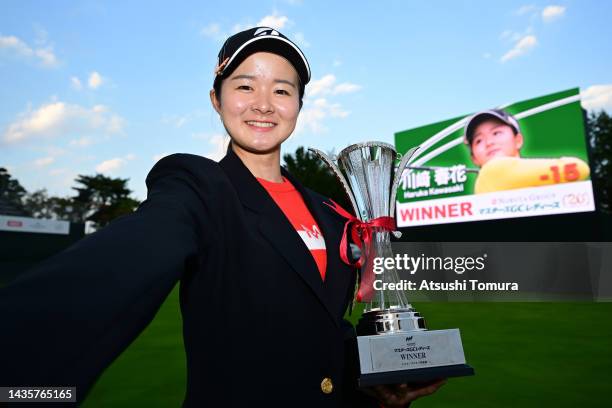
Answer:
(414, 356)
(415, 376)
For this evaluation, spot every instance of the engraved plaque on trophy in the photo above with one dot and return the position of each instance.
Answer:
(392, 339)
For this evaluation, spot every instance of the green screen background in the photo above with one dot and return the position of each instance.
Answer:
(552, 133)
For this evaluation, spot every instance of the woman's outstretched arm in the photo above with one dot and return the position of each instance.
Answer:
(66, 320)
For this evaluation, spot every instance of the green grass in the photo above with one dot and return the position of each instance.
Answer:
(151, 372)
(524, 354)
(528, 354)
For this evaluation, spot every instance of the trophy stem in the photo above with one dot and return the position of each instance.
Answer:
(378, 288)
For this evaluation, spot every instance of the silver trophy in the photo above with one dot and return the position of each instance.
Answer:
(393, 341)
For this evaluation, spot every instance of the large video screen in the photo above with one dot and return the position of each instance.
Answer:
(523, 159)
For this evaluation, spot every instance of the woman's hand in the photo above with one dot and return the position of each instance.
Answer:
(401, 395)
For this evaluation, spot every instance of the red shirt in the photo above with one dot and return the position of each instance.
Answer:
(292, 204)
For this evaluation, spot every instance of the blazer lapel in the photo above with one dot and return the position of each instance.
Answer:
(275, 227)
(338, 276)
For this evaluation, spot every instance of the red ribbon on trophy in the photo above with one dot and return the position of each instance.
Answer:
(361, 235)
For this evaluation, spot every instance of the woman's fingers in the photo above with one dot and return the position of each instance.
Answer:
(396, 396)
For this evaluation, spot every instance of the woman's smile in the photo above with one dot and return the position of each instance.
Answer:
(260, 126)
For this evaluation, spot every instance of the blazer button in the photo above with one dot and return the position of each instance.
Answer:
(327, 386)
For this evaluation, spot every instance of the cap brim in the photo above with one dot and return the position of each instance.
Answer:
(480, 117)
(276, 45)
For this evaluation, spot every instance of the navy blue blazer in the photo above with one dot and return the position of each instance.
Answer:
(259, 324)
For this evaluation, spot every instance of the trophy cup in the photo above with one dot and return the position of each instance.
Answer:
(392, 339)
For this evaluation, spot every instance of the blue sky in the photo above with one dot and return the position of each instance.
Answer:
(93, 86)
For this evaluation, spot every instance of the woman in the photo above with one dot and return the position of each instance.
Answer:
(262, 286)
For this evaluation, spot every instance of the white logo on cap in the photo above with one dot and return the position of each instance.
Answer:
(265, 31)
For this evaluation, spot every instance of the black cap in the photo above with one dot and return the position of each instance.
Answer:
(481, 116)
(260, 39)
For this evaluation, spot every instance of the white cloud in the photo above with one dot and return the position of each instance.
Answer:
(486, 55)
(327, 85)
(47, 117)
(58, 118)
(160, 156)
(112, 165)
(76, 83)
(214, 32)
(115, 124)
(52, 154)
(236, 28)
(521, 47)
(218, 141)
(95, 80)
(219, 144)
(274, 21)
(320, 86)
(12, 42)
(318, 108)
(44, 55)
(300, 40)
(44, 161)
(174, 120)
(334, 110)
(178, 121)
(315, 112)
(100, 108)
(217, 32)
(551, 13)
(81, 142)
(511, 36)
(211, 30)
(345, 87)
(597, 97)
(311, 118)
(337, 62)
(526, 9)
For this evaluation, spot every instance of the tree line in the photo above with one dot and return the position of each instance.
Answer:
(599, 138)
(100, 199)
